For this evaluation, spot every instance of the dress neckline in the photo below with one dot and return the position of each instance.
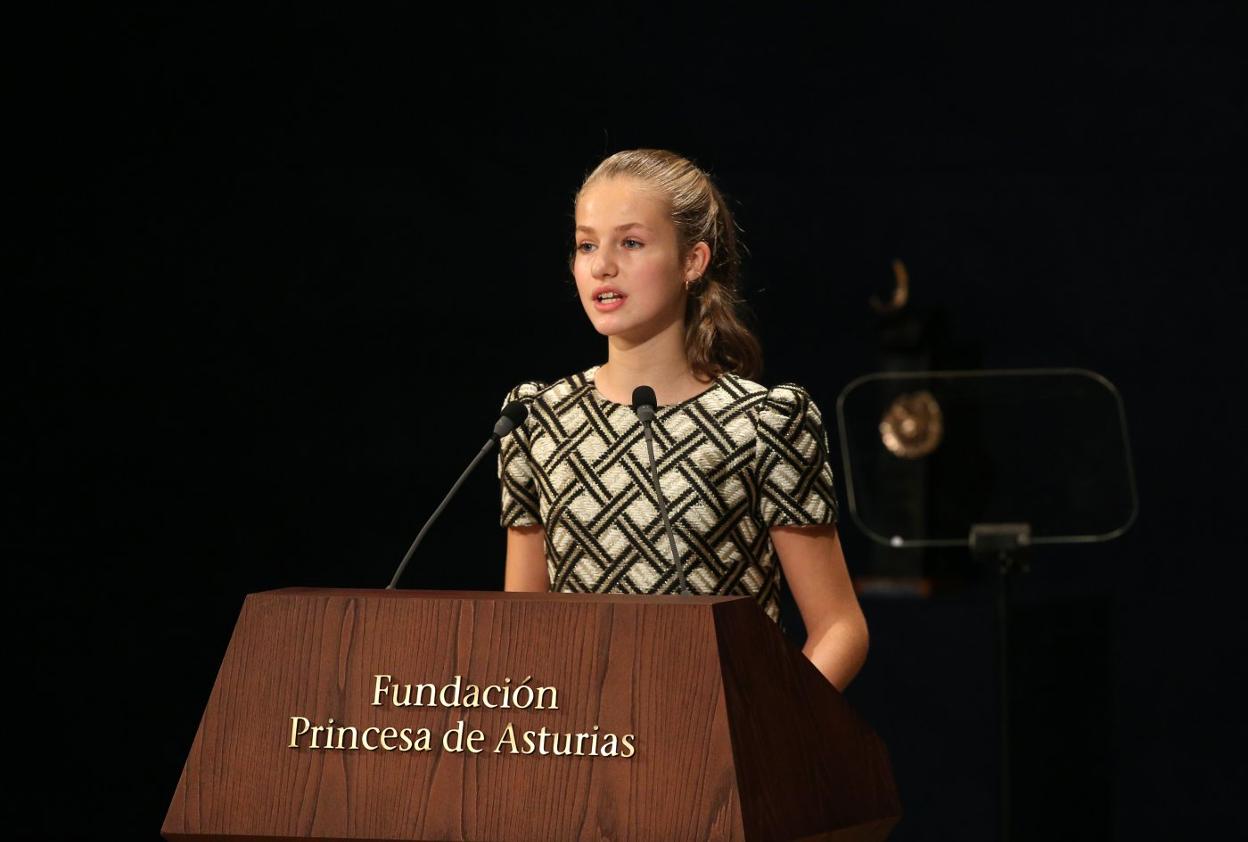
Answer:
(598, 396)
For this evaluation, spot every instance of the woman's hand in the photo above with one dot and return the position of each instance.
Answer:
(836, 631)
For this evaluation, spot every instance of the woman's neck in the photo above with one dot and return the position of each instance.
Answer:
(658, 362)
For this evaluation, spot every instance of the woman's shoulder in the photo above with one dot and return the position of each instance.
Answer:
(547, 390)
(782, 397)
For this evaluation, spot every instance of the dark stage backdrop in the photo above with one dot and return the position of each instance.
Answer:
(272, 275)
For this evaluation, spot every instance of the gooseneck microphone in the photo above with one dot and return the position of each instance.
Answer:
(645, 404)
(513, 416)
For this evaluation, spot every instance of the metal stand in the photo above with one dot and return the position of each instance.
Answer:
(1004, 546)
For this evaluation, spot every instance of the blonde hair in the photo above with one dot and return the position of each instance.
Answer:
(716, 336)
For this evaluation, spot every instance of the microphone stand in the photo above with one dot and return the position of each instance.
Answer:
(513, 416)
(644, 405)
(433, 517)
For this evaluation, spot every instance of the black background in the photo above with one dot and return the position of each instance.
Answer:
(272, 273)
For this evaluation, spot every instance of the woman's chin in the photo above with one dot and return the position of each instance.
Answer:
(606, 324)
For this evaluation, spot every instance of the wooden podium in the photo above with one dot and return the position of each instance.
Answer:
(400, 714)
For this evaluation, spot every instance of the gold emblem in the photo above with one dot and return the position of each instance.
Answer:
(912, 426)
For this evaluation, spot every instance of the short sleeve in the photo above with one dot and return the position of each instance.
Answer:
(520, 502)
(791, 461)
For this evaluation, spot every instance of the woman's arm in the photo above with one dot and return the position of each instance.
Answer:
(526, 559)
(836, 631)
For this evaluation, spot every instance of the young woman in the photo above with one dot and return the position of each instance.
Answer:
(743, 468)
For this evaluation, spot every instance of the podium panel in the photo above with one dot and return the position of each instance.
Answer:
(457, 715)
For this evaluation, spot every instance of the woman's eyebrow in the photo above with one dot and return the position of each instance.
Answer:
(590, 229)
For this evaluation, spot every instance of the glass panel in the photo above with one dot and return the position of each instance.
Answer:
(927, 455)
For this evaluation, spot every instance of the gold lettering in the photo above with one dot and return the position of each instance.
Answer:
(508, 737)
(420, 695)
(554, 698)
(453, 740)
(295, 730)
(388, 734)
(515, 694)
(342, 729)
(379, 687)
(423, 739)
(454, 698)
(542, 734)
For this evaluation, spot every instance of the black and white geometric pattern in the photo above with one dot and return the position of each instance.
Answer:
(732, 462)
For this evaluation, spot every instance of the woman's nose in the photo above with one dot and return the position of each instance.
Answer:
(602, 264)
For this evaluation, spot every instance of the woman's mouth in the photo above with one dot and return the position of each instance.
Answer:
(608, 301)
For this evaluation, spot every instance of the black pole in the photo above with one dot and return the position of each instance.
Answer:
(1004, 545)
(1005, 575)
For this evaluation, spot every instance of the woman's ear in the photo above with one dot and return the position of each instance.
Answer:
(695, 264)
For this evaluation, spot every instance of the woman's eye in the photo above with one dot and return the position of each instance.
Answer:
(581, 247)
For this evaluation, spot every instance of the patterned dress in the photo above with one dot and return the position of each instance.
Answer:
(732, 462)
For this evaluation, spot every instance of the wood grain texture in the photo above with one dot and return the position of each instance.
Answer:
(656, 667)
(807, 764)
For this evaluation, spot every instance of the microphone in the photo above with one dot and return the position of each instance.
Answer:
(645, 404)
(513, 416)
